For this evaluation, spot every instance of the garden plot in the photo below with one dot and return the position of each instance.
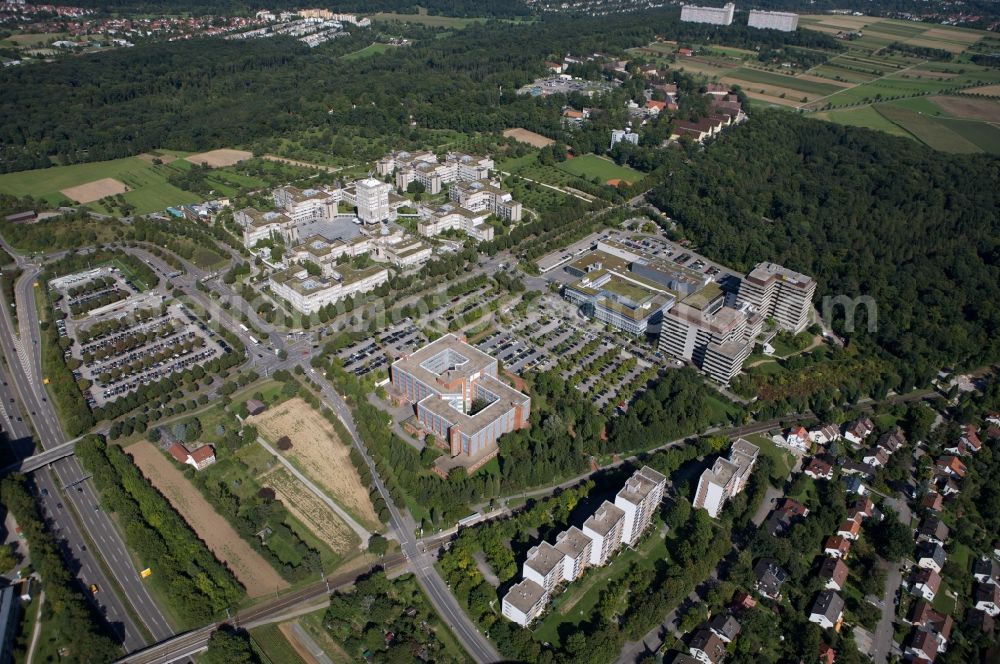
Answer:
(310, 510)
(319, 453)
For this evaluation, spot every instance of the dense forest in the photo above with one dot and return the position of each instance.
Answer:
(868, 215)
(211, 93)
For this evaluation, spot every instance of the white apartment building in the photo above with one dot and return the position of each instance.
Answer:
(783, 21)
(259, 225)
(726, 478)
(604, 527)
(308, 294)
(624, 136)
(576, 549)
(712, 15)
(302, 205)
(424, 167)
(777, 292)
(478, 195)
(471, 167)
(545, 566)
(435, 219)
(639, 499)
(524, 602)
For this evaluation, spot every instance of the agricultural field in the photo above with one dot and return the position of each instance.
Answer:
(271, 639)
(311, 511)
(591, 166)
(946, 123)
(318, 452)
(148, 189)
(250, 568)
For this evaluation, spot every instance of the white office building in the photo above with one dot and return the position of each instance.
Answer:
(479, 195)
(712, 15)
(777, 292)
(302, 205)
(308, 293)
(436, 219)
(372, 199)
(783, 21)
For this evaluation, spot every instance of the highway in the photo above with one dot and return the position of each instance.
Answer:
(97, 525)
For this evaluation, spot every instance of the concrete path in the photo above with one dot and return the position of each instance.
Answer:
(37, 631)
(362, 532)
(309, 644)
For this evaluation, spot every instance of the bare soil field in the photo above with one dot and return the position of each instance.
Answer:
(250, 568)
(987, 110)
(773, 100)
(165, 158)
(310, 510)
(94, 191)
(985, 90)
(772, 92)
(319, 453)
(952, 35)
(951, 47)
(219, 158)
(529, 137)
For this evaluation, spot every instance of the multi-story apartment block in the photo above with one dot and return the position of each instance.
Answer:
(713, 15)
(624, 136)
(524, 602)
(308, 294)
(471, 167)
(639, 499)
(783, 21)
(726, 478)
(302, 205)
(424, 167)
(259, 225)
(777, 292)
(604, 527)
(435, 219)
(458, 396)
(576, 549)
(477, 195)
(394, 161)
(545, 565)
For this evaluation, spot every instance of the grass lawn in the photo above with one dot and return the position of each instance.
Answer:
(367, 51)
(780, 80)
(783, 460)
(807, 494)
(865, 116)
(274, 644)
(575, 604)
(928, 130)
(590, 165)
(149, 189)
(312, 624)
(721, 410)
(431, 21)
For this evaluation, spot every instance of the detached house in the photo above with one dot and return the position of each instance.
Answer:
(834, 571)
(850, 530)
(706, 647)
(200, 458)
(770, 578)
(824, 435)
(931, 555)
(932, 529)
(836, 546)
(819, 469)
(858, 430)
(987, 599)
(827, 610)
(950, 466)
(986, 570)
(926, 583)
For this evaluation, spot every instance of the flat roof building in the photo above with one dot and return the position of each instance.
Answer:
(604, 527)
(524, 602)
(459, 397)
(639, 499)
(478, 195)
(436, 219)
(711, 15)
(726, 478)
(308, 293)
(545, 565)
(777, 292)
(764, 20)
(576, 547)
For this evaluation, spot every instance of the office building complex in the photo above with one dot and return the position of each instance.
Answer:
(303, 205)
(459, 398)
(777, 292)
(424, 167)
(478, 195)
(638, 499)
(726, 477)
(308, 293)
(783, 21)
(713, 15)
(435, 219)
(603, 533)
(259, 226)
(372, 200)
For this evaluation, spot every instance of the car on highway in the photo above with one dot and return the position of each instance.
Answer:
(94, 589)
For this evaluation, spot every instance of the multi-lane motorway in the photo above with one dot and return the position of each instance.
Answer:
(92, 527)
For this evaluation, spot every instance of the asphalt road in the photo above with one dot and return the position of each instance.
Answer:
(95, 522)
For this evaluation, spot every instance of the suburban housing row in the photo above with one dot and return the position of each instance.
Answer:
(576, 549)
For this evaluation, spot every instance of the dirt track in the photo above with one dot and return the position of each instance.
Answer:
(250, 568)
(94, 191)
(219, 158)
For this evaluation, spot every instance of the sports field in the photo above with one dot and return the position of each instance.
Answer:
(591, 166)
(148, 189)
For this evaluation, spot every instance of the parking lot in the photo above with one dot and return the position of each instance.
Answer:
(92, 292)
(141, 346)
